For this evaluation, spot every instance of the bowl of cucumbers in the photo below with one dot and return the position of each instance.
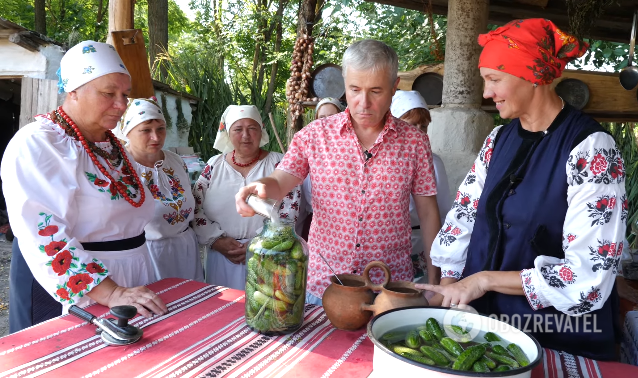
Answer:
(448, 342)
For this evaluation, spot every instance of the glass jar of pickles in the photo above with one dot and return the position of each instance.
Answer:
(276, 279)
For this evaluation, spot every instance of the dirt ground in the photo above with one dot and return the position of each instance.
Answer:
(5, 263)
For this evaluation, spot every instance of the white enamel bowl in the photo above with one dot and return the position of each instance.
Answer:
(388, 364)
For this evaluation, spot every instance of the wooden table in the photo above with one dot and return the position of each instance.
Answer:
(204, 335)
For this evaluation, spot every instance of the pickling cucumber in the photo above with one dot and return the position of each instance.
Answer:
(434, 328)
(491, 336)
(469, 357)
(503, 368)
(412, 339)
(518, 354)
(480, 367)
(488, 361)
(401, 350)
(426, 336)
(500, 350)
(434, 355)
(452, 346)
(421, 359)
(503, 359)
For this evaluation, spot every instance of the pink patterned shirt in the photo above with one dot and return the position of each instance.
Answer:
(360, 207)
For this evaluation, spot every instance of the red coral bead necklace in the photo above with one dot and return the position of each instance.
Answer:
(120, 187)
(247, 164)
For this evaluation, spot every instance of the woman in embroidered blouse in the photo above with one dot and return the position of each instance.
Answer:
(240, 137)
(538, 225)
(170, 240)
(75, 201)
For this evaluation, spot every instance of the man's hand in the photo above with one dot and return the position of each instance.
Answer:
(257, 188)
(275, 186)
(233, 250)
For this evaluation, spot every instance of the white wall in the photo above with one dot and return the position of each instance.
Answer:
(175, 138)
(18, 61)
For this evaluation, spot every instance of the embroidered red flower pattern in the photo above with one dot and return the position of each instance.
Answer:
(566, 274)
(54, 247)
(571, 237)
(129, 180)
(598, 164)
(101, 183)
(62, 262)
(48, 231)
(79, 282)
(63, 293)
(94, 268)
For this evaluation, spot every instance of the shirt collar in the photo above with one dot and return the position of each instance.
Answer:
(390, 126)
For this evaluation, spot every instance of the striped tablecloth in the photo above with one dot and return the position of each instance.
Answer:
(204, 335)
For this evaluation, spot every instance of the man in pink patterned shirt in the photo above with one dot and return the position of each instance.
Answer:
(363, 164)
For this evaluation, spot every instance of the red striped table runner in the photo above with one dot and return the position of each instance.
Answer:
(204, 335)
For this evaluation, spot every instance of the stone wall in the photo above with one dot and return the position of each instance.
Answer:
(175, 136)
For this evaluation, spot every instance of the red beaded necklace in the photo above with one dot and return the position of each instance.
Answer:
(119, 186)
(247, 164)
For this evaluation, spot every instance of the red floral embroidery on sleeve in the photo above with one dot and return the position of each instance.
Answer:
(65, 263)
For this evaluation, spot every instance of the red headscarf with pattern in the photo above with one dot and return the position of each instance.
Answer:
(534, 50)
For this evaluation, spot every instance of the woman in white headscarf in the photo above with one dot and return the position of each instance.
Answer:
(76, 203)
(411, 107)
(170, 240)
(217, 224)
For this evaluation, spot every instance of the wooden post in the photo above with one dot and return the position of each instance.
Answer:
(120, 16)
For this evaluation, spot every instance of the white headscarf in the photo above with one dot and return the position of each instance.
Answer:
(328, 100)
(404, 101)
(137, 111)
(232, 114)
(87, 61)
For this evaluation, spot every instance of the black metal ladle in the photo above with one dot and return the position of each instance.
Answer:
(629, 75)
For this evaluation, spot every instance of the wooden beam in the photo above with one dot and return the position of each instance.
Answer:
(607, 99)
(614, 25)
(5, 33)
(22, 39)
(120, 16)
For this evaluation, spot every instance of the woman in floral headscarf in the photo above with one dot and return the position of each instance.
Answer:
(225, 233)
(171, 241)
(76, 203)
(541, 232)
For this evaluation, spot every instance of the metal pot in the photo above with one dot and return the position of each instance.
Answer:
(386, 363)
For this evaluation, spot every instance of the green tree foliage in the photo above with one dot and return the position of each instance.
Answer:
(72, 21)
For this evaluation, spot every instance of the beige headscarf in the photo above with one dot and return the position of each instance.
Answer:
(232, 114)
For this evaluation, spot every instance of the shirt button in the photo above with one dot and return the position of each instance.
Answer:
(507, 225)
(511, 193)
(358, 245)
(354, 271)
(363, 192)
(361, 219)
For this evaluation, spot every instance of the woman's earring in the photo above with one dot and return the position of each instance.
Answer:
(535, 85)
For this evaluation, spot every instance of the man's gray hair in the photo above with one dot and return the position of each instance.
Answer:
(370, 54)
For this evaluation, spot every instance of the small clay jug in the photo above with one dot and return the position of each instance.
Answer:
(343, 304)
(392, 295)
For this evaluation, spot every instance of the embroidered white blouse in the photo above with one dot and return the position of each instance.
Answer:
(219, 217)
(169, 184)
(605, 204)
(57, 199)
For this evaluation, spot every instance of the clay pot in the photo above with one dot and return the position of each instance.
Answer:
(397, 294)
(343, 303)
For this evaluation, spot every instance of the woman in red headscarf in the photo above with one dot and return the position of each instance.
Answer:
(536, 231)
